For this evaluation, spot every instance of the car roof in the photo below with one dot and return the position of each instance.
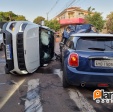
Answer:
(91, 35)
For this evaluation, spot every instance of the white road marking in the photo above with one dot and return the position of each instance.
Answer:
(10, 93)
(79, 99)
(33, 104)
(58, 72)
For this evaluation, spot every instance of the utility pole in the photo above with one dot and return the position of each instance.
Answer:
(52, 8)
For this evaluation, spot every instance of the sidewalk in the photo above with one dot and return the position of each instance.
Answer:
(57, 50)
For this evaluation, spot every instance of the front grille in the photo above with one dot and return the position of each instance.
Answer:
(4, 38)
(20, 52)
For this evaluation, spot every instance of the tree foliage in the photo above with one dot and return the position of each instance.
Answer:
(53, 24)
(95, 18)
(90, 11)
(109, 23)
(20, 18)
(38, 19)
(10, 16)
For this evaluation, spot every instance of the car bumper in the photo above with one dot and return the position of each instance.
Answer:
(75, 77)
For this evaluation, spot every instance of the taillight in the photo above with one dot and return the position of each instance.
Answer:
(73, 60)
(103, 85)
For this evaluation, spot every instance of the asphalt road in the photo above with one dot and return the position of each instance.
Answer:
(42, 91)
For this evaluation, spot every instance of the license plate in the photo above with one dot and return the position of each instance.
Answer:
(8, 52)
(104, 63)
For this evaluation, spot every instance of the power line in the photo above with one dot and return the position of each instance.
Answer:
(68, 4)
(71, 3)
(52, 8)
(79, 2)
(54, 5)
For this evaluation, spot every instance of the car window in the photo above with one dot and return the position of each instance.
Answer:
(70, 43)
(44, 37)
(95, 44)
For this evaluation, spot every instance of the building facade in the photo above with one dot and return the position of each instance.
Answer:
(71, 16)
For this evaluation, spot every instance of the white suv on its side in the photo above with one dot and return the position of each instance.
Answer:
(1, 41)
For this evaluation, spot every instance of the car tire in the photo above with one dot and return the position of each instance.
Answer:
(1, 48)
(6, 70)
(65, 83)
(60, 54)
(62, 63)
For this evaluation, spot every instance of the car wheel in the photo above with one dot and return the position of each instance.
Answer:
(62, 63)
(1, 48)
(60, 54)
(6, 70)
(65, 83)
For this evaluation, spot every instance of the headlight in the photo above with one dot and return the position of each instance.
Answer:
(24, 72)
(12, 26)
(22, 27)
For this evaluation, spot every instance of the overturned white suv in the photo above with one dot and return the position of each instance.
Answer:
(27, 46)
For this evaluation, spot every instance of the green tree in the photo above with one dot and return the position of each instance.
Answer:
(2, 17)
(95, 18)
(90, 10)
(109, 23)
(20, 18)
(53, 24)
(38, 19)
(10, 16)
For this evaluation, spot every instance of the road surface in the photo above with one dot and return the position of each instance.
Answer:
(42, 91)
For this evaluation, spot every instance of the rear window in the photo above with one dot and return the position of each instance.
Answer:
(95, 44)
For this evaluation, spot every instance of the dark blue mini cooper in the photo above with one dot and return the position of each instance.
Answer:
(87, 60)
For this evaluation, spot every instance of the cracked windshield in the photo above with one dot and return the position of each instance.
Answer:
(56, 56)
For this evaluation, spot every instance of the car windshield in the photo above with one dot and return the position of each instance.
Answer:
(81, 27)
(95, 44)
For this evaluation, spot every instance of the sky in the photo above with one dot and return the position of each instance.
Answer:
(33, 8)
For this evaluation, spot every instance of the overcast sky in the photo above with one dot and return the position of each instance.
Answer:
(33, 8)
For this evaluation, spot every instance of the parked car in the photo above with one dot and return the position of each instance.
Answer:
(87, 60)
(1, 41)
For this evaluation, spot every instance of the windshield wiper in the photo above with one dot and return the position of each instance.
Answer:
(109, 46)
(98, 49)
